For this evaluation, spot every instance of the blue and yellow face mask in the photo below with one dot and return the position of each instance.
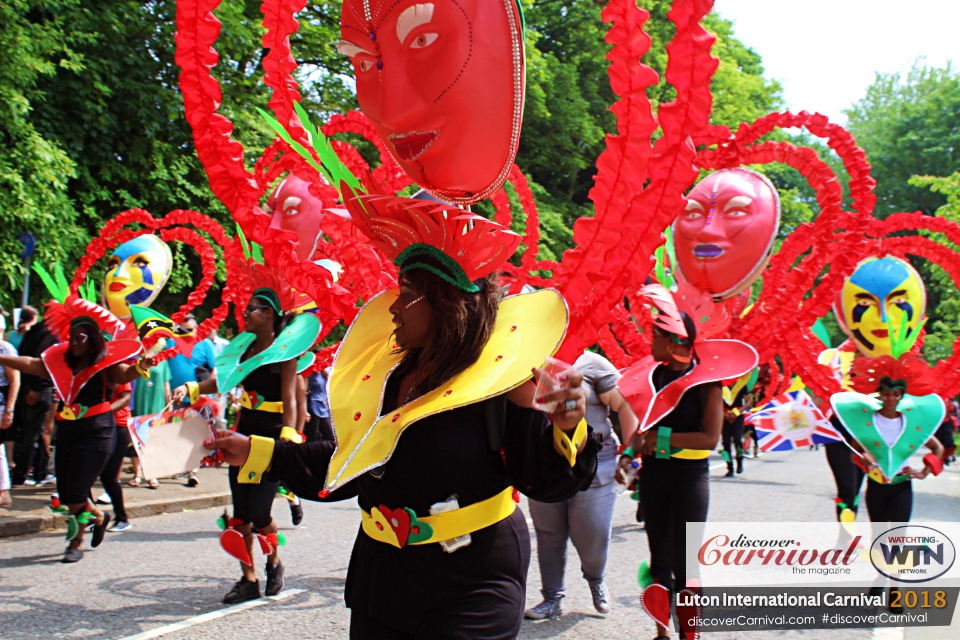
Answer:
(880, 293)
(136, 273)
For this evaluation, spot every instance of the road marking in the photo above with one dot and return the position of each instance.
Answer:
(888, 633)
(213, 615)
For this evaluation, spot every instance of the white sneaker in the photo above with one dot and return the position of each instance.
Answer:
(104, 499)
(50, 478)
(29, 482)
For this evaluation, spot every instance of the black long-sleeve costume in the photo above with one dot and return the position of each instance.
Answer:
(414, 589)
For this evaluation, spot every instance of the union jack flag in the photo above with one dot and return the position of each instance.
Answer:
(789, 421)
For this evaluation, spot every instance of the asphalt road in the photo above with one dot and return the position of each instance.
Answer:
(170, 569)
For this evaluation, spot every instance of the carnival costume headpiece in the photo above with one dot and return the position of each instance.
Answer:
(266, 283)
(725, 234)
(714, 360)
(456, 245)
(73, 311)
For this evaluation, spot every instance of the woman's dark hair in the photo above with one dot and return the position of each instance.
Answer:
(462, 324)
(96, 351)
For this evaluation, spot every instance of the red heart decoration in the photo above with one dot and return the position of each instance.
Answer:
(399, 521)
(266, 546)
(687, 613)
(655, 600)
(233, 543)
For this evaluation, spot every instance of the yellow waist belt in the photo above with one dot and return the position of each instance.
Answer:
(256, 403)
(400, 527)
(691, 454)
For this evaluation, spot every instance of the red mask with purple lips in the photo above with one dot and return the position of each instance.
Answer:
(443, 83)
(726, 233)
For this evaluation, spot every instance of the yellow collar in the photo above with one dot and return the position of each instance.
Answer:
(529, 327)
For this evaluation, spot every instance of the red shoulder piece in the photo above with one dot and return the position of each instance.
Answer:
(68, 385)
(719, 360)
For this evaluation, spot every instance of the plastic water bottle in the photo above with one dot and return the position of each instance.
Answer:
(619, 488)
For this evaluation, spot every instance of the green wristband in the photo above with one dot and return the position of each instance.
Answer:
(663, 442)
(629, 452)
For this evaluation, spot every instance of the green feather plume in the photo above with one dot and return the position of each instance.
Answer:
(644, 577)
(56, 283)
(330, 166)
(902, 339)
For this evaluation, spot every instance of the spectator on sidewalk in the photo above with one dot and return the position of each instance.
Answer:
(9, 387)
(184, 370)
(28, 318)
(318, 422)
(32, 405)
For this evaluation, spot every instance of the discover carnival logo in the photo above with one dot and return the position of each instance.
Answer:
(912, 553)
(788, 552)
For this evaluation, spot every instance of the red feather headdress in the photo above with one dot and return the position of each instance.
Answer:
(61, 315)
(908, 372)
(258, 279)
(458, 246)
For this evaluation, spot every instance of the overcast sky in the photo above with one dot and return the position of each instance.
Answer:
(825, 52)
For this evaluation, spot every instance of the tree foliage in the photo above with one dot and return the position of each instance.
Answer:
(909, 124)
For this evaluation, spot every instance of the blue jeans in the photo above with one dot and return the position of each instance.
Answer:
(586, 520)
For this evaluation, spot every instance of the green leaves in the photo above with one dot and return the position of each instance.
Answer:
(330, 167)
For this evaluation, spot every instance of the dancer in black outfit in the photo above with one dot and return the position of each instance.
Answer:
(683, 421)
(733, 419)
(110, 477)
(264, 359)
(84, 368)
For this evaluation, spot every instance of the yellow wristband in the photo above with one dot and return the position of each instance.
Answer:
(138, 365)
(193, 390)
(261, 455)
(289, 434)
(569, 445)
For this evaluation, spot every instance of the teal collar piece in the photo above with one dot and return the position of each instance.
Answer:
(922, 416)
(292, 342)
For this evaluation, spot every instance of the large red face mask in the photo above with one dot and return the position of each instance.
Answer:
(443, 83)
(295, 209)
(725, 235)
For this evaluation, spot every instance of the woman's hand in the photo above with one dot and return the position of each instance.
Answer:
(234, 446)
(625, 470)
(649, 443)
(869, 459)
(178, 394)
(7, 419)
(919, 475)
(570, 390)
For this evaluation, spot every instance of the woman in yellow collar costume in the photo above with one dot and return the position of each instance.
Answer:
(264, 359)
(431, 399)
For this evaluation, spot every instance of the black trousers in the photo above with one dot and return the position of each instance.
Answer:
(318, 429)
(110, 474)
(733, 435)
(26, 430)
(672, 493)
(484, 615)
(889, 502)
(847, 475)
(252, 503)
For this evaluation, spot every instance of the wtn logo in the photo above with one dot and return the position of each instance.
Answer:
(912, 553)
(901, 555)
